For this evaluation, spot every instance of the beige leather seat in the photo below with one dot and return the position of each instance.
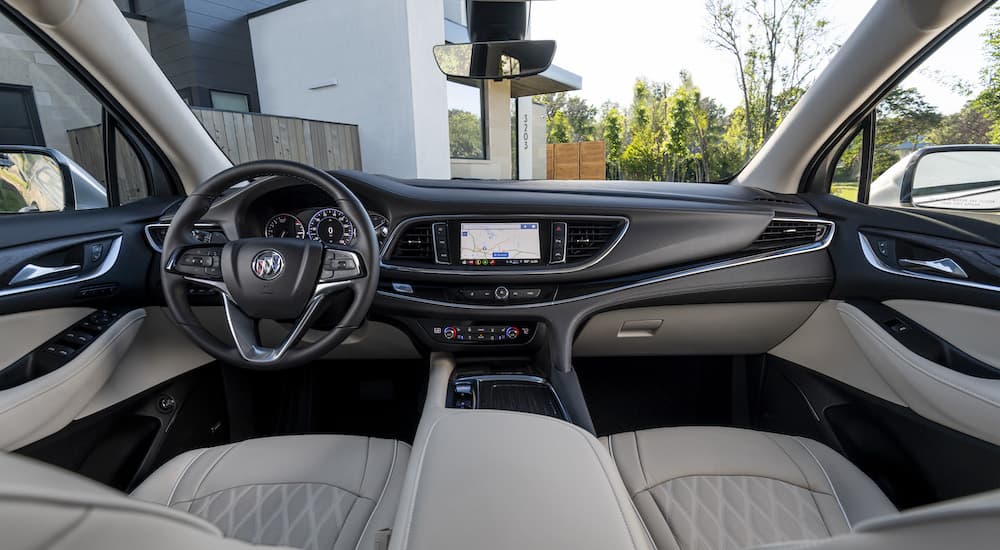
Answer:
(312, 492)
(727, 488)
(316, 492)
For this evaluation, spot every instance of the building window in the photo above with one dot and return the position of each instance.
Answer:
(454, 11)
(466, 123)
(230, 101)
(127, 6)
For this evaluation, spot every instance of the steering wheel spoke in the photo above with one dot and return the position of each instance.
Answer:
(246, 334)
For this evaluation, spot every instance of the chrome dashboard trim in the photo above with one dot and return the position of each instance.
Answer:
(114, 250)
(874, 261)
(725, 264)
(398, 230)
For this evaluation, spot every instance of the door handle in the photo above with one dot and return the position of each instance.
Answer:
(31, 272)
(945, 266)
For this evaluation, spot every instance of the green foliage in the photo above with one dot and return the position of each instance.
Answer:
(905, 122)
(988, 101)
(560, 130)
(466, 134)
(776, 47)
(613, 133)
(580, 115)
(970, 125)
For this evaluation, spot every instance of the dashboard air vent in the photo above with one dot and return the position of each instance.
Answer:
(415, 245)
(781, 234)
(586, 239)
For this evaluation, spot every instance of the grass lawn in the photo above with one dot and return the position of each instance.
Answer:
(845, 190)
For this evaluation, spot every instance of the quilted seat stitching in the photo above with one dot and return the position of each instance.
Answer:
(695, 537)
(303, 529)
(277, 483)
(793, 484)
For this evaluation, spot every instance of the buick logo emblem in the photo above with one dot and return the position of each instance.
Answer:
(268, 265)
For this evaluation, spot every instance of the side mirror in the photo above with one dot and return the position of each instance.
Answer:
(38, 179)
(495, 60)
(955, 177)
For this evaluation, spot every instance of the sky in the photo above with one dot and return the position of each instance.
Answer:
(612, 42)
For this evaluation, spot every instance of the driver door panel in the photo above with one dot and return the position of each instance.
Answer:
(65, 330)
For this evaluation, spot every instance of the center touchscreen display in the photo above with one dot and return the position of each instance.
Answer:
(493, 244)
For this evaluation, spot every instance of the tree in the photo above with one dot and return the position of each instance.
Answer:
(466, 134)
(777, 46)
(614, 137)
(970, 125)
(989, 100)
(560, 130)
(905, 122)
(581, 116)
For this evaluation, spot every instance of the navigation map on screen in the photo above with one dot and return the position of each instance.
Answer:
(500, 244)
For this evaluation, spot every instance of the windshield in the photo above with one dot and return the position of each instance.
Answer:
(637, 90)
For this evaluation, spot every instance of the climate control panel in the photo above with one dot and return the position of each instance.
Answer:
(470, 332)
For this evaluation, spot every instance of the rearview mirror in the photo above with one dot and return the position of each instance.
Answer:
(495, 60)
(38, 179)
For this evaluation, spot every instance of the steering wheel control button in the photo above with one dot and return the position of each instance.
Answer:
(501, 293)
(340, 265)
(268, 265)
(199, 262)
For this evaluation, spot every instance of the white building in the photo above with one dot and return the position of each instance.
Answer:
(371, 63)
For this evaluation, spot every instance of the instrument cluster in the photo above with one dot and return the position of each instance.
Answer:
(328, 225)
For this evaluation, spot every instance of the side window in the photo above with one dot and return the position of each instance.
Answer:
(847, 174)
(936, 139)
(53, 154)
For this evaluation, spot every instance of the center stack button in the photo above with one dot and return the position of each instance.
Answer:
(501, 293)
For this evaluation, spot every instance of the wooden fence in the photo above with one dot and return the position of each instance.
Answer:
(576, 161)
(250, 136)
(242, 136)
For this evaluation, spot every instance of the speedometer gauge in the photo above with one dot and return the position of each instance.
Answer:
(331, 226)
(284, 226)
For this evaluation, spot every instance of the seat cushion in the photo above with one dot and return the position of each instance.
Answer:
(727, 488)
(311, 491)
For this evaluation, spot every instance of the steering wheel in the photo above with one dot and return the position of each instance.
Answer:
(279, 279)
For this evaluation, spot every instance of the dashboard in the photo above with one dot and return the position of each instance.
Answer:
(508, 263)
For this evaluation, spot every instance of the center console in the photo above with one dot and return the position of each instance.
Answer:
(499, 479)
